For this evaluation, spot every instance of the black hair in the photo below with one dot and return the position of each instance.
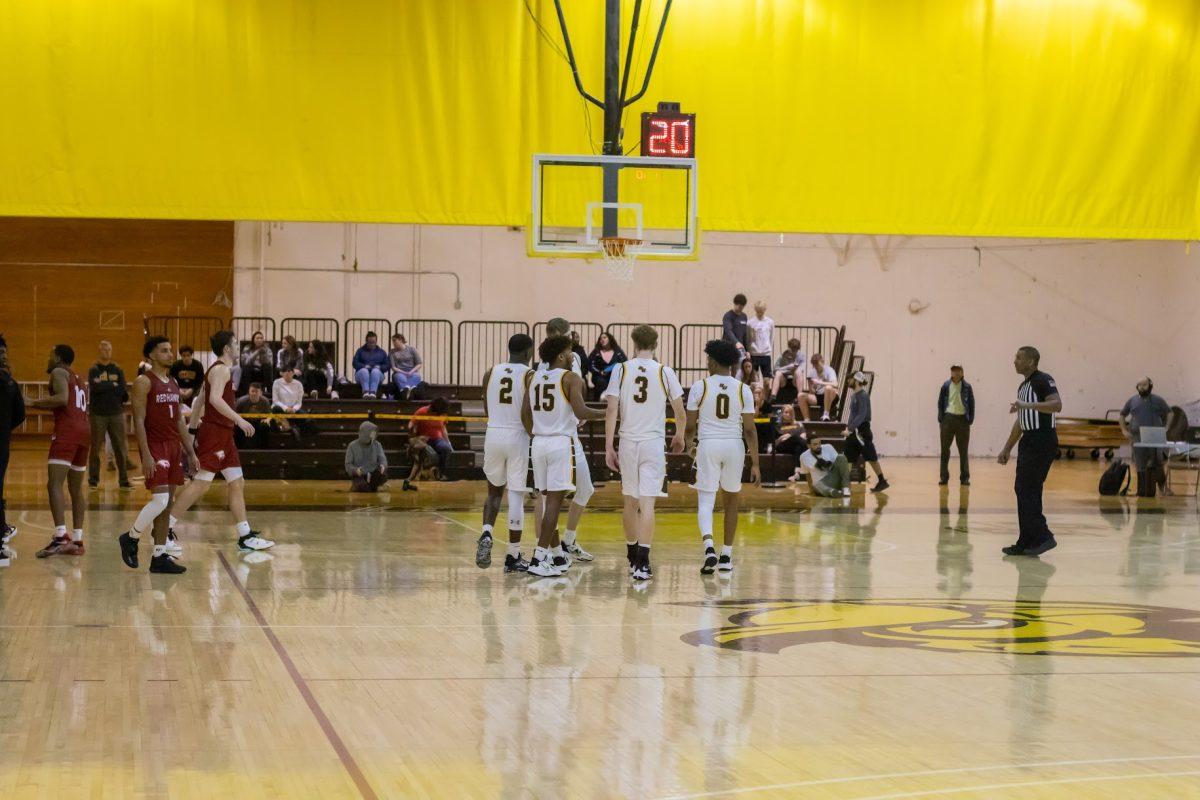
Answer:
(370, 334)
(151, 344)
(256, 385)
(519, 343)
(439, 405)
(219, 341)
(1032, 352)
(739, 299)
(552, 347)
(64, 353)
(187, 348)
(3, 343)
(724, 353)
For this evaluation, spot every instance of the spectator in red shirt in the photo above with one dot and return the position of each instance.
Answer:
(434, 431)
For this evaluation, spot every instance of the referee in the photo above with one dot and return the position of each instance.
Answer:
(1037, 403)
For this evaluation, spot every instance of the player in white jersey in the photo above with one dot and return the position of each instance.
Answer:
(551, 413)
(721, 409)
(637, 394)
(583, 478)
(506, 451)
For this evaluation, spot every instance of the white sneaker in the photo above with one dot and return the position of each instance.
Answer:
(824, 418)
(846, 492)
(9, 533)
(174, 548)
(334, 396)
(578, 553)
(253, 541)
(5, 557)
(544, 568)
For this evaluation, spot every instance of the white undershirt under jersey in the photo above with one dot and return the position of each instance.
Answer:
(552, 413)
(721, 401)
(505, 395)
(643, 387)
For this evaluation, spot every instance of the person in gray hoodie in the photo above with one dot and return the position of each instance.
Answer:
(366, 463)
(860, 443)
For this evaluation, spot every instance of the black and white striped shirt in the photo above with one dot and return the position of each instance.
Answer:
(1036, 388)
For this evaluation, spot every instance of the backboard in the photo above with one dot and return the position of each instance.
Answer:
(654, 201)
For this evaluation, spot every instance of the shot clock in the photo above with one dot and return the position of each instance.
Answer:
(668, 133)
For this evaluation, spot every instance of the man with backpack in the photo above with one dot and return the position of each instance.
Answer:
(1146, 410)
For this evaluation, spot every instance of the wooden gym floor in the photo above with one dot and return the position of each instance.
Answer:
(878, 650)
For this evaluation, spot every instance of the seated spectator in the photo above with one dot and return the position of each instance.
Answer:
(289, 358)
(188, 373)
(257, 363)
(434, 432)
(406, 367)
(822, 388)
(789, 368)
(287, 396)
(752, 378)
(369, 363)
(788, 436)
(600, 362)
(366, 463)
(318, 371)
(253, 403)
(580, 353)
(827, 471)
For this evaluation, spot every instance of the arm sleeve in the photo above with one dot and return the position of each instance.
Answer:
(614, 382)
(1043, 386)
(942, 401)
(357, 362)
(674, 389)
(1125, 409)
(693, 401)
(727, 327)
(416, 358)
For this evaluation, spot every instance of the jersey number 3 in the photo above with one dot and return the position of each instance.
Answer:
(543, 397)
(643, 386)
(722, 406)
(506, 387)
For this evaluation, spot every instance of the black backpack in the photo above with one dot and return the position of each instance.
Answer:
(1115, 479)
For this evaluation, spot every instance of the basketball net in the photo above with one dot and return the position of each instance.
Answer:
(619, 254)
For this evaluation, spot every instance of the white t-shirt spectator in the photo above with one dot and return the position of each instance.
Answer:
(827, 374)
(809, 465)
(762, 332)
(285, 395)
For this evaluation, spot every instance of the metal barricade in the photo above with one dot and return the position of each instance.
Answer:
(245, 327)
(588, 332)
(481, 345)
(691, 363)
(434, 341)
(813, 339)
(194, 331)
(322, 330)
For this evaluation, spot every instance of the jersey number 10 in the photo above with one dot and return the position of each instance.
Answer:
(80, 399)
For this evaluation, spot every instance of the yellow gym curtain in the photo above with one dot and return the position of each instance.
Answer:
(973, 117)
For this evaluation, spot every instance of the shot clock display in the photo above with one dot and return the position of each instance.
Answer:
(667, 132)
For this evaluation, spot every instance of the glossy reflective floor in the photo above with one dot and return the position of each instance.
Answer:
(878, 650)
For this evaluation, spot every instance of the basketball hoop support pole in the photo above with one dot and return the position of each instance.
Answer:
(612, 109)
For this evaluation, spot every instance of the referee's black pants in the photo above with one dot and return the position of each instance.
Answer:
(3, 470)
(1035, 454)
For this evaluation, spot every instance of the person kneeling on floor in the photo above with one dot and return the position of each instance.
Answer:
(827, 471)
(366, 463)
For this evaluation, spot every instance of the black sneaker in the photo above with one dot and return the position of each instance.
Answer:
(725, 564)
(561, 562)
(1013, 550)
(881, 485)
(1041, 547)
(483, 552)
(965, 482)
(710, 562)
(944, 482)
(129, 550)
(93, 484)
(515, 564)
(408, 487)
(643, 572)
(164, 564)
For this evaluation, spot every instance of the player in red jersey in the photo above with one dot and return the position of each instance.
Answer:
(162, 439)
(214, 442)
(68, 457)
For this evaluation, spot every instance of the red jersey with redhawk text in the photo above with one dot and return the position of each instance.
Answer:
(211, 415)
(71, 421)
(162, 409)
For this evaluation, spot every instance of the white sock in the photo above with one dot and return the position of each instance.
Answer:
(243, 529)
(172, 522)
(514, 549)
(77, 535)
(160, 549)
(558, 552)
(568, 537)
(704, 512)
(708, 543)
(540, 554)
(727, 550)
(487, 531)
(60, 531)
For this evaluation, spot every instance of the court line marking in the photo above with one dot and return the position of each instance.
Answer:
(460, 523)
(920, 773)
(331, 735)
(974, 789)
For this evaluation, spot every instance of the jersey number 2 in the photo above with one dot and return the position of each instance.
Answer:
(722, 406)
(506, 387)
(543, 397)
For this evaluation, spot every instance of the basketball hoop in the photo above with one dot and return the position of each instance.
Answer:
(619, 253)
